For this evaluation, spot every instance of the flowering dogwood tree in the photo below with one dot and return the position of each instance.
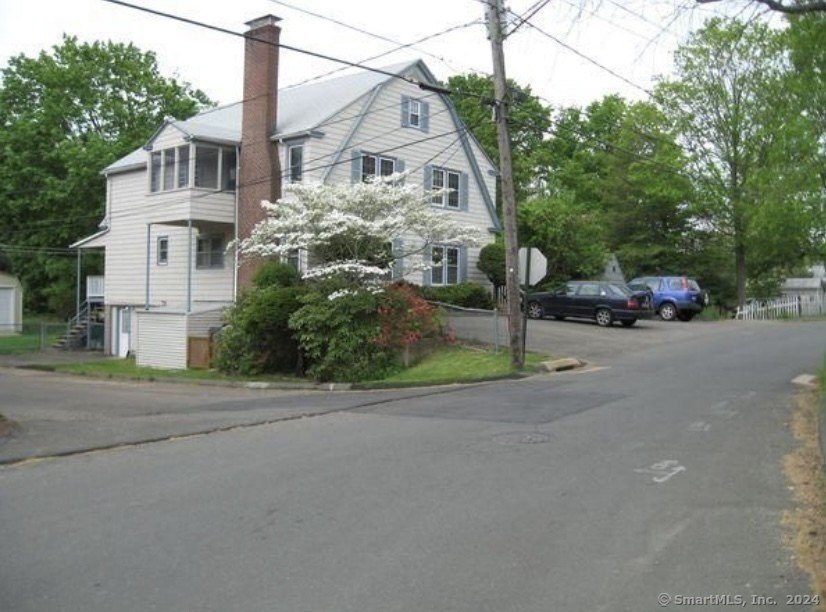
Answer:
(349, 228)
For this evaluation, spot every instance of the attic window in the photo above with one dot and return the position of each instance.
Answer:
(415, 114)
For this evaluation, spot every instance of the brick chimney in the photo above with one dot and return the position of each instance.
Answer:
(259, 165)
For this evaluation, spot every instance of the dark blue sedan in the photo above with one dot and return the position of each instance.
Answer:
(603, 302)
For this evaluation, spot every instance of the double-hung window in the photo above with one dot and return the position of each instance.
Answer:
(442, 179)
(445, 265)
(209, 252)
(415, 114)
(295, 158)
(163, 250)
(373, 166)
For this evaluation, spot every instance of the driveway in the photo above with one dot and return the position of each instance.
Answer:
(586, 340)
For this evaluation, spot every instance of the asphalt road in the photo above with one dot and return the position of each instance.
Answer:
(657, 471)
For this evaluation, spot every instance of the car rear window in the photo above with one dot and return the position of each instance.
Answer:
(619, 290)
(677, 284)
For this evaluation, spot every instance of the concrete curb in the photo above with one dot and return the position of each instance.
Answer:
(562, 365)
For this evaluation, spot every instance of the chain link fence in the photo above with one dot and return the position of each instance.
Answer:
(475, 325)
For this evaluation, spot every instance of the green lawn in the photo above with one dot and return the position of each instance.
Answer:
(126, 368)
(449, 364)
(452, 364)
(29, 340)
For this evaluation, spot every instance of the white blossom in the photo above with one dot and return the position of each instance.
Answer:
(312, 216)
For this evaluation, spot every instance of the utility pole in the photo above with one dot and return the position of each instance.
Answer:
(494, 13)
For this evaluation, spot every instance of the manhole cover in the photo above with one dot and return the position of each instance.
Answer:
(522, 437)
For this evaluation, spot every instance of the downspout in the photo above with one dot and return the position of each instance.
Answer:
(148, 248)
(189, 267)
(235, 238)
(77, 288)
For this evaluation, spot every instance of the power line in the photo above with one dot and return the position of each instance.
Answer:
(393, 50)
(399, 45)
(585, 57)
(280, 45)
(526, 16)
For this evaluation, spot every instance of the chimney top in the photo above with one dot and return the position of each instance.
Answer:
(266, 20)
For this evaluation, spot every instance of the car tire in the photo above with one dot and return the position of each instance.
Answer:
(685, 316)
(604, 317)
(628, 322)
(535, 310)
(668, 311)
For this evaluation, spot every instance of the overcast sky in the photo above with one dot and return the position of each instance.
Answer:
(631, 40)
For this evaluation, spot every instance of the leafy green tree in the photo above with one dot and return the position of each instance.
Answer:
(750, 147)
(528, 120)
(569, 234)
(806, 37)
(646, 194)
(64, 116)
(492, 262)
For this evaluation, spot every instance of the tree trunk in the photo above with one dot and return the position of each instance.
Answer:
(740, 265)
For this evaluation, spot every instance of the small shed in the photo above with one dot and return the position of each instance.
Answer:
(11, 304)
(810, 294)
(613, 271)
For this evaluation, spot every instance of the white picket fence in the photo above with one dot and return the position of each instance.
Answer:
(785, 307)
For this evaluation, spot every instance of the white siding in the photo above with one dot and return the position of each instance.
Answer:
(126, 255)
(200, 324)
(11, 305)
(380, 131)
(162, 340)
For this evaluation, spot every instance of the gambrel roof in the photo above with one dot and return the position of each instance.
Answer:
(300, 110)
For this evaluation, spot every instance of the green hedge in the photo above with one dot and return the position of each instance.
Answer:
(466, 295)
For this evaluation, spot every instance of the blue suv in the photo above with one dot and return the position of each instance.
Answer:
(675, 297)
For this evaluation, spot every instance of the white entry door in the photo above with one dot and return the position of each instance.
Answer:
(124, 330)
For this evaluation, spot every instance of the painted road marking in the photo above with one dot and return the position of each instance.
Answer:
(662, 471)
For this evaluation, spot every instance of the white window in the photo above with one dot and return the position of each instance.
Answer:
(169, 169)
(215, 167)
(374, 165)
(163, 250)
(441, 179)
(183, 166)
(414, 114)
(209, 252)
(296, 161)
(445, 265)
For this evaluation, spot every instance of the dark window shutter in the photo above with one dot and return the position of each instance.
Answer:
(462, 264)
(399, 165)
(405, 111)
(463, 191)
(355, 167)
(427, 182)
(424, 120)
(427, 257)
(398, 260)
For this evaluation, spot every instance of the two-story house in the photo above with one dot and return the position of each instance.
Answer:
(174, 205)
